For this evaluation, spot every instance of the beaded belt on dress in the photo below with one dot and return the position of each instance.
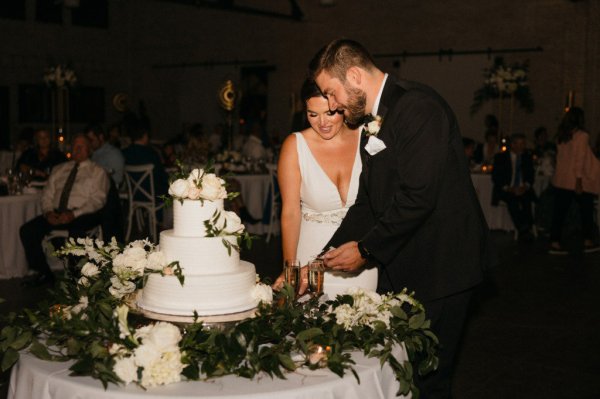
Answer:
(333, 217)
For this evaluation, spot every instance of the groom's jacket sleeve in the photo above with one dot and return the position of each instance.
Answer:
(418, 134)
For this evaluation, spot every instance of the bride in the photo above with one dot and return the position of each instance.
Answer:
(319, 170)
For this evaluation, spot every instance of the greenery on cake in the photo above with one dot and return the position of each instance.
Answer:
(226, 224)
(91, 321)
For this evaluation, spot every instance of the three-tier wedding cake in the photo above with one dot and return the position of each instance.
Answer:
(204, 240)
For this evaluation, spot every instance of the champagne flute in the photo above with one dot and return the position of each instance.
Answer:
(316, 276)
(292, 272)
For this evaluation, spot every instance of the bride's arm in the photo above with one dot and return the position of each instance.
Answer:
(289, 179)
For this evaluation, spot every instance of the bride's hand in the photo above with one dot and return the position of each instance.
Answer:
(278, 284)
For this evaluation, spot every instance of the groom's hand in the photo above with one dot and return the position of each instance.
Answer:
(345, 258)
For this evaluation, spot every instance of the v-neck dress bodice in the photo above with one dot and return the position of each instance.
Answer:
(322, 212)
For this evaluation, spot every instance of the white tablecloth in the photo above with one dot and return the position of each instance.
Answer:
(39, 379)
(14, 211)
(254, 190)
(497, 217)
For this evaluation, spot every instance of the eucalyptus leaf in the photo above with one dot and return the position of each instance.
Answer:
(21, 341)
(9, 358)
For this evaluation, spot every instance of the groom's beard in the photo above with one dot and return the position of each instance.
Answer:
(355, 105)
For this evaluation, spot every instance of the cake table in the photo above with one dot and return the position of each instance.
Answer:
(40, 379)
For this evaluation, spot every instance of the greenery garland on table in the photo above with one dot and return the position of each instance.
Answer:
(87, 320)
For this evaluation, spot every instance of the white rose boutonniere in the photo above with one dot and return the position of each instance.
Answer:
(371, 130)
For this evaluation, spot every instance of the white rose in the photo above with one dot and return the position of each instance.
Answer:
(194, 193)
(263, 292)
(156, 260)
(195, 177)
(213, 188)
(90, 270)
(163, 336)
(126, 369)
(83, 281)
(374, 126)
(179, 188)
(233, 223)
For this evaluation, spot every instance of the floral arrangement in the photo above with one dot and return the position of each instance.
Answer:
(502, 81)
(91, 325)
(198, 184)
(227, 224)
(60, 76)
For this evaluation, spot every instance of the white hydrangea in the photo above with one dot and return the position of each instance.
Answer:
(166, 370)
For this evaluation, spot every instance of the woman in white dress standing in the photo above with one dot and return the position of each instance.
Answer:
(319, 170)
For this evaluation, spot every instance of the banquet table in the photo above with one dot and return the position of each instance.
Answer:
(255, 192)
(40, 379)
(14, 211)
(497, 217)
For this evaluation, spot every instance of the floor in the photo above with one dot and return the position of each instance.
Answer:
(532, 333)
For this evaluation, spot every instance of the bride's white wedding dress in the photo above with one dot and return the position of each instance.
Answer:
(322, 213)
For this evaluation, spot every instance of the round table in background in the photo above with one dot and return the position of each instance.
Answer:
(14, 211)
(35, 378)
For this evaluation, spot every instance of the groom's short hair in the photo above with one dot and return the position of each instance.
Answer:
(338, 56)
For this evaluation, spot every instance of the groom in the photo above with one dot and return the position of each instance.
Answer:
(416, 216)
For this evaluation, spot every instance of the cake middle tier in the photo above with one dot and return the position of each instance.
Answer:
(200, 255)
(189, 216)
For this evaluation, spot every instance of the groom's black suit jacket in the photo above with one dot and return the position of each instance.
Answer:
(417, 212)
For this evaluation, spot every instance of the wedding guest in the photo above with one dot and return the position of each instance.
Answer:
(24, 143)
(42, 157)
(72, 200)
(486, 152)
(140, 152)
(105, 154)
(513, 176)
(577, 178)
(254, 147)
(115, 136)
(469, 145)
(196, 151)
(543, 146)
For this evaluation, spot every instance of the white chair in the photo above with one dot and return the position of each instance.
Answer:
(141, 200)
(48, 248)
(275, 196)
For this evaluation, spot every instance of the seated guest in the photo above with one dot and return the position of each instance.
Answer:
(196, 151)
(42, 157)
(140, 152)
(105, 154)
(469, 145)
(485, 153)
(254, 147)
(72, 200)
(113, 162)
(513, 180)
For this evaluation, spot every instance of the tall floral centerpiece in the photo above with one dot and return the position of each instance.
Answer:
(502, 83)
(60, 79)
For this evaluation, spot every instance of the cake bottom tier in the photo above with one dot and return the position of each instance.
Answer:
(207, 295)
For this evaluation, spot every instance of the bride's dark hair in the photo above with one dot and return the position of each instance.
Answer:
(309, 90)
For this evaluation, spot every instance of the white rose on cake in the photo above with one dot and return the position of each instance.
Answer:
(179, 188)
(233, 223)
(195, 177)
(213, 187)
(194, 193)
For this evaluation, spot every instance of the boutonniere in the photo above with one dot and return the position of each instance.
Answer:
(371, 130)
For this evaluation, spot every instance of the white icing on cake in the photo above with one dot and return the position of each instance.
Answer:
(216, 282)
(189, 216)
